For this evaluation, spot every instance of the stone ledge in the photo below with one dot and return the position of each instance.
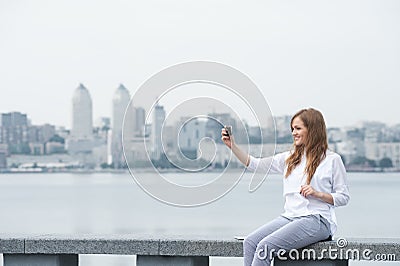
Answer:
(92, 244)
(12, 245)
(170, 246)
(191, 247)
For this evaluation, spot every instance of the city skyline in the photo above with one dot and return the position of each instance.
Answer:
(365, 146)
(369, 147)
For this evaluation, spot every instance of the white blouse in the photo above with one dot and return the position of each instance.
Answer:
(329, 177)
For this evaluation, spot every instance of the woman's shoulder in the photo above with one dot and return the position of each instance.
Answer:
(283, 154)
(333, 155)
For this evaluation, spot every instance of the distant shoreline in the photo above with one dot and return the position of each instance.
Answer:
(150, 170)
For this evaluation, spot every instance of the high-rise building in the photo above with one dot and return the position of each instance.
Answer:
(3, 158)
(158, 119)
(82, 121)
(14, 132)
(80, 140)
(13, 119)
(120, 102)
(122, 122)
(140, 117)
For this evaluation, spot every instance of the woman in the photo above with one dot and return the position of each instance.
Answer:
(314, 183)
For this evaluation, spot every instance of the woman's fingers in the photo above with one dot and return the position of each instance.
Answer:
(224, 135)
(306, 190)
(226, 138)
(224, 132)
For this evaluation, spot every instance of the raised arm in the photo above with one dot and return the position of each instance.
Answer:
(229, 141)
(272, 164)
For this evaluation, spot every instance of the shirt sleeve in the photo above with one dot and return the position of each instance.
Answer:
(340, 191)
(275, 164)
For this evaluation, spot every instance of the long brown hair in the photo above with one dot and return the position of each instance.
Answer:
(315, 145)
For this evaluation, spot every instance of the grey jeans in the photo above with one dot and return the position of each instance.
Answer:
(261, 246)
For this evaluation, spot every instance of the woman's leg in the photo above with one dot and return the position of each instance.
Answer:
(251, 241)
(298, 233)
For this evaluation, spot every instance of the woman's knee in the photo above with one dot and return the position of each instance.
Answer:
(268, 245)
(265, 251)
(249, 243)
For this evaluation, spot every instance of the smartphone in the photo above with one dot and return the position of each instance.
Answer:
(228, 130)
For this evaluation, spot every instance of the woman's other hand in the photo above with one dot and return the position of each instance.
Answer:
(307, 190)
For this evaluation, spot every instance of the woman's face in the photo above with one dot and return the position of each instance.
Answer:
(299, 131)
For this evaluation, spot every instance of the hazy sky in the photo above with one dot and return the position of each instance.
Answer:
(342, 57)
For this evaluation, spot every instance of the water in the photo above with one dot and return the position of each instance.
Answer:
(105, 203)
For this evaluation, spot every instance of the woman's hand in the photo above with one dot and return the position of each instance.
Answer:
(308, 190)
(228, 140)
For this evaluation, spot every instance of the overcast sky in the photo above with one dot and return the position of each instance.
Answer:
(342, 57)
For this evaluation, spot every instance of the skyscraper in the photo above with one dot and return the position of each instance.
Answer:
(80, 140)
(82, 121)
(14, 132)
(158, 119)
(120, 106)
(140, 116)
